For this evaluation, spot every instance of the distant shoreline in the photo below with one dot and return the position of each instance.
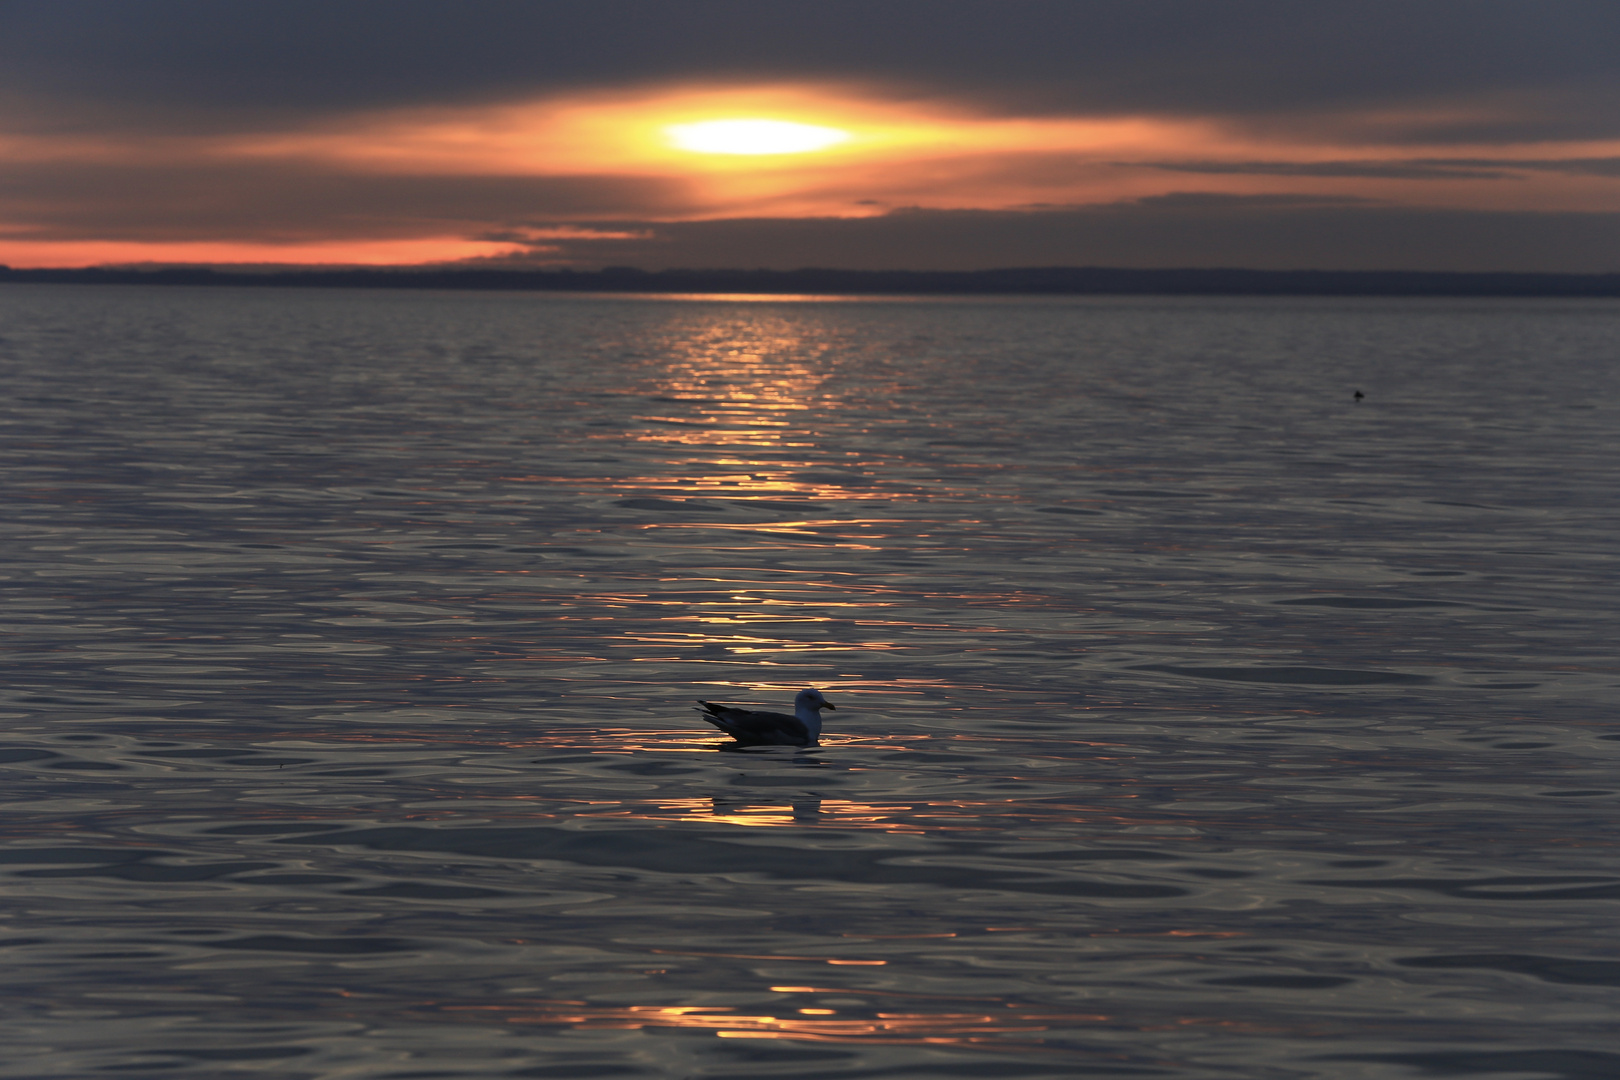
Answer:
(1061, 281)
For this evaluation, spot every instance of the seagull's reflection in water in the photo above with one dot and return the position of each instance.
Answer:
(802, 758)
(763, 810)
(806, 809)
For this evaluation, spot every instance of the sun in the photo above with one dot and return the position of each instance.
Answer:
(753, 137)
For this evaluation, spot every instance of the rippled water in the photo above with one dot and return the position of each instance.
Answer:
(1194, 720)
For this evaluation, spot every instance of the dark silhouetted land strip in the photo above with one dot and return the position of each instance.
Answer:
(1059, 280)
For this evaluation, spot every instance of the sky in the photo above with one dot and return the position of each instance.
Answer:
(862, 134)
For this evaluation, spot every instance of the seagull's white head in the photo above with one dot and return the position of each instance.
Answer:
(807, 706)
(812, 699)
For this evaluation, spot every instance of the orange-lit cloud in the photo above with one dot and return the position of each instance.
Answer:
(545, 179)
(887, 152)
(921, 153)
(336, 252)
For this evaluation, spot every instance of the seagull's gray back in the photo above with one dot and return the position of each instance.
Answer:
(751, 727)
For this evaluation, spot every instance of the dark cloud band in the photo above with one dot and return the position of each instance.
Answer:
(1281, 232)
(266, 61)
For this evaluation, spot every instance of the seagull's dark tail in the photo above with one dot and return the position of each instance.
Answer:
(711, 713)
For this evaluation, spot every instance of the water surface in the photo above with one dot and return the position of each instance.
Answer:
(1194, 720)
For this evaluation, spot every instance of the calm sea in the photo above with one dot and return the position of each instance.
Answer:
(1195, 720)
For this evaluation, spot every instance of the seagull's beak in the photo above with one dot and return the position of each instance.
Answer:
(828, 705)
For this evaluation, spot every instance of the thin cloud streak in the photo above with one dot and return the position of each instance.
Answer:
(1461, 168)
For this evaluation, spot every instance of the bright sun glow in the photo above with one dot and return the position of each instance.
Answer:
(753, 137)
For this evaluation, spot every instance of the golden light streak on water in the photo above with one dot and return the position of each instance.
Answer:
(983, 1027)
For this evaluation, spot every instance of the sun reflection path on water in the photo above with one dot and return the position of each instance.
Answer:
(759, 409)
(919, 817)
(748, 366)
(987, 1026)
(572, 791)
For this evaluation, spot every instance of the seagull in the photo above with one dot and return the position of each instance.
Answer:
(752, 728)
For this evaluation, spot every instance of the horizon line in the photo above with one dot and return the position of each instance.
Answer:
(1012, 280)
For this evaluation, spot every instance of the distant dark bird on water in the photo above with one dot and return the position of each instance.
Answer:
(1359, 395)
(752, 728)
